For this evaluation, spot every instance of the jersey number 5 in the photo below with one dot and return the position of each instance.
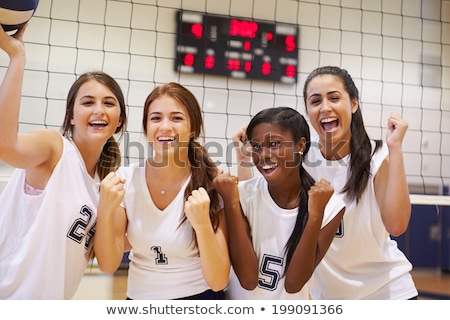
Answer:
(271, 276)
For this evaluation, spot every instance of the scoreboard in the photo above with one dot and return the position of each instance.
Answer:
(236, 47)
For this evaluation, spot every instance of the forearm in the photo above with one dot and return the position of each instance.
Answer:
(304, 259)
(108, 243)
(244, 163)
(10, 97)
(396, 207)
(242, 253)
(214, 257)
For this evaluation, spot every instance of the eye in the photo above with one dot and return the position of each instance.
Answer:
(87, 103)
(110, 103)
(274, 144)
(155, 118)
(256, 146)
(314, 101)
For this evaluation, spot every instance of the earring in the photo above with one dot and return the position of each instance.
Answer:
(300, 152)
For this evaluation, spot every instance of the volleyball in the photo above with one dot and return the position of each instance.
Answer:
(15, 13)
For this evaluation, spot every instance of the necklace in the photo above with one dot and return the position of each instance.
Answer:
(163, 191)
(297, 199)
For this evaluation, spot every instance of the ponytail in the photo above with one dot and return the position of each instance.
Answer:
(110, 159)
(302, 216)
(203, 171)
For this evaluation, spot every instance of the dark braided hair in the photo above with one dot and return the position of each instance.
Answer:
(290, 120)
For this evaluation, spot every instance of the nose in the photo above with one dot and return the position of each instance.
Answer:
(325, 106)
(165, 124)
(99, 108)
(266, 152)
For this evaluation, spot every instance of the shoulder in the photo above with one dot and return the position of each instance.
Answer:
(252, 184)
(130, 170)
(332, 209)
(251, 190)
(313, 153)
(379, 156)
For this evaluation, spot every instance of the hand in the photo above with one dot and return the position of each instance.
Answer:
(227, 186)
(112, 191)
(243, 153)
(13, 44)
(396, 130)
(196, 208)
(319, 195)
(240, 137)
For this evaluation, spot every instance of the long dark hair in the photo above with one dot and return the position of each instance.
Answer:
(360, 146)
(110, 158)
(290, 120)
(203, 169)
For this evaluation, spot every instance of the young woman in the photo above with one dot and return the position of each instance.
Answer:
(280, 223)
(48, 209)
(362, 262)
(170, 213)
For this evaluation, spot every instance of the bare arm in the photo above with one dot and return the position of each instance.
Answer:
(391, 187)
(212, 245)
(314, 241)
(21, 150)
(243, 157)
(109, 240)
(243, 256)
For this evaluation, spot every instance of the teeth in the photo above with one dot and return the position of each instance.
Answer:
(326, 120)
(267, 167)
(166, 139)
(98, 122)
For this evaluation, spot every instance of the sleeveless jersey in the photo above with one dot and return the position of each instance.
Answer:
(363, 262)
(271, 227)
(164, 261)
(46, 239)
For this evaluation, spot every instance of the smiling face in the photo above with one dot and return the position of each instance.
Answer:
(96, 113)
(275, 154)
(168, 128)
(330, 111)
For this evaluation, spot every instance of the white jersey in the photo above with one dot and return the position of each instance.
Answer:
(46, 239)
(164, 261)
(271, 227)
(363, 262)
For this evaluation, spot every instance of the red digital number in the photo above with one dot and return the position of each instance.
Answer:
(234, 64)
(247, 45)
(197, 30)
(266, 68)
(290, 43)
(290, 71)
(246, 29)
(188, 59)
(209, 62)
(248, 66)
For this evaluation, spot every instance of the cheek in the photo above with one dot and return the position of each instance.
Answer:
(288, 156)
(315, 123)
(255, 158)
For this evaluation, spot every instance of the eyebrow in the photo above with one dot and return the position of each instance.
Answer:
(172, 113)
(93, 97)
(318, 94)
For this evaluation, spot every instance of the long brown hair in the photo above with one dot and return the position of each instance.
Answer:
(110, 158)
(360, 145)
(203, 169)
